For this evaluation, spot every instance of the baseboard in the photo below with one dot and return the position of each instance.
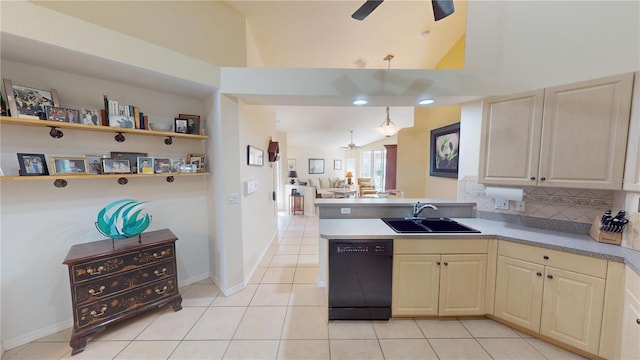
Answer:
(38, 334)
(193, 279)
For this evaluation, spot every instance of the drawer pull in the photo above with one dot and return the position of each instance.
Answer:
(545, 257)
(94, 292)
(160, 292)
(446, 263)
(161, 255)
(539, 273)
(543, 178)
(549, 276)
(532, 178)
(98, 271)
(438, 263)
(638, 321)
(160, 273)
(97, 314)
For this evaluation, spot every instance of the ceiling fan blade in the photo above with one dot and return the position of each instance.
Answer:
(442, 8)
(366, 9)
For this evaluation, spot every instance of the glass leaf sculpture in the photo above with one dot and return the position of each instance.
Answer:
(122, 219)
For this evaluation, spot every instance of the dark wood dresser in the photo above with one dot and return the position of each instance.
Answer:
(111, 281)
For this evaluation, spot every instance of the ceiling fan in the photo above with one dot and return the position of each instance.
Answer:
(441, 9)
(351, 145)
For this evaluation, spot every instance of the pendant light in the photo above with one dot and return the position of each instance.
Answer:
(388, 128)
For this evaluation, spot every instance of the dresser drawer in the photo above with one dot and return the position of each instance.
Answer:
(110, 265)
(101, 310)
(558, 259)
(107, 286)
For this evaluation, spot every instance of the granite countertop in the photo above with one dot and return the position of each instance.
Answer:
(575, 243)
(363, 201)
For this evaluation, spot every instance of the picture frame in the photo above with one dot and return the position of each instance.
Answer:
(132, 157)
(255, 156)
(116, 166)
(91, 117)
(144, 165)
(26, 101)
(196, 160)
(193, 123)
(162, 165)
(337, 164)
(178, 165)
(291, 164)
(445, 156)
(56, 113)
(181, 125)
(316, 166)
(69, 165)
(32, 164)
(95, 164)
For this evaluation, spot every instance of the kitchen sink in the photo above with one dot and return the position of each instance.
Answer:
(427, 225)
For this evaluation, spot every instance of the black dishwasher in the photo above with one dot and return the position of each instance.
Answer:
(360, 279)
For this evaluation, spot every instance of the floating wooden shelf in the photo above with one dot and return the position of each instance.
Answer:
(65, 125)
(95, 177)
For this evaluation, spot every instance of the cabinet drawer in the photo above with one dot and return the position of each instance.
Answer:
(440, 246)
(561, 260)
(107, 286)
(114, 264)
(101, 310)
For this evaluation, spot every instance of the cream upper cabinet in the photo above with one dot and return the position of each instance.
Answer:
(519, 292)
(571, 136)
(630, 346)
(510, 143)
(632, 166)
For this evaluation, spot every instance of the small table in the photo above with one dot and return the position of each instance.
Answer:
(343, 193)
(296, 204)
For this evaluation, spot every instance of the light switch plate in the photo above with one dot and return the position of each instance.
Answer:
(345, 210)
(520, 205)
(502, 204)
(233, 198)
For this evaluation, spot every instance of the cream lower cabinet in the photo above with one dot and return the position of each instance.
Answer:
(630, 343)
(559, 295)
(439, 284)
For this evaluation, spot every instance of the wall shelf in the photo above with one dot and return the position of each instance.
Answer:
(64, 125)
(60, 181)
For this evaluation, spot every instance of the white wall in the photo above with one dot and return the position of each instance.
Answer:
(470, 132)
(303, 154)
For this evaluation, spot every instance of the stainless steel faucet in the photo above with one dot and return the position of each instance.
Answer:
(417, 208)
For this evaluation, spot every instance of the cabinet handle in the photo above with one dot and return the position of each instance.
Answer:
(438, 263)
(545, 257)
(160, 292)
(98, 271)
(96, 314)
(539, 273)
(543, 178)
(532, 178)
(94, 292)
(160, 273)
(549, 276)
(159, 256)
(638, 321)
(446, 263)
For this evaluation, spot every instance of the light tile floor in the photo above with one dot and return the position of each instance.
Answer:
(281, 314)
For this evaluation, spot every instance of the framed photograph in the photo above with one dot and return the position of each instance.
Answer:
(316, 166)
(144, 165)
(162, 165)
(445, 144)
(337, 164)
(193, 123)
(132, 157)
(32, 164)
(255, 156)
(178, 165)
(197, 161)
(95, 164)
(91, 117)
(62, 114)
(116, 166)
(181, 125)
(29, 101)
(69, 165)
(291, 164)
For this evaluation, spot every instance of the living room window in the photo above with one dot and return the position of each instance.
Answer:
(373, 166)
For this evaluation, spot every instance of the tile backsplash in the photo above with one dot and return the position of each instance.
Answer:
(577, 205)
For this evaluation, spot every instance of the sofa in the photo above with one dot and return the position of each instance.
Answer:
(325, 185)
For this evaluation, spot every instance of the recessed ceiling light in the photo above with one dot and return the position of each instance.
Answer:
(360, 102)
(425, 101)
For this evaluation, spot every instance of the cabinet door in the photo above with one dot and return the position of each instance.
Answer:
(584, 133)
(572, 306)
(519, 292)
(510, 142)
(630, 348)
(463, 284)
(632, 166)
(415, 285)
